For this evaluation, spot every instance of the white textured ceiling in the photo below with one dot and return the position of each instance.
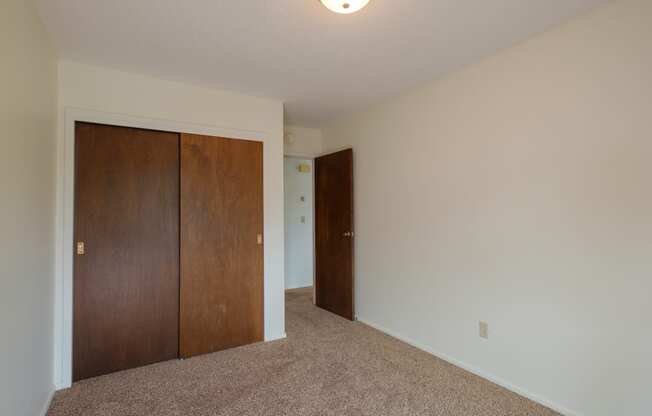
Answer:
(321, 64)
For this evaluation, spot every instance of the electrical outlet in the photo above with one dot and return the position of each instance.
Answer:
(484, 330)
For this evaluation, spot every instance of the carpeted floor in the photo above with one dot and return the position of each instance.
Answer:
(326, 366)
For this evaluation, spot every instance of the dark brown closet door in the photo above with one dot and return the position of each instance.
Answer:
(126, 274)
(221, 244)
(334, 233)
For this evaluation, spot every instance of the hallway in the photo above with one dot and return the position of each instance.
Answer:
(326, 366)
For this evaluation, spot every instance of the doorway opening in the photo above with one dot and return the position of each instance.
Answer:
(299, 223)
(319, 245)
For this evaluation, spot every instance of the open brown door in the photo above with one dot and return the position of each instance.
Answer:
(334, 233)
(126, 266)
(221, 244)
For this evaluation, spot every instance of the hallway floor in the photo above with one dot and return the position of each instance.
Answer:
(326, 366)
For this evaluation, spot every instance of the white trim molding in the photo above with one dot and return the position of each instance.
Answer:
(65, 217)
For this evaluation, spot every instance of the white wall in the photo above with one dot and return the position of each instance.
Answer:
(299, 225)
(517, 191)
(27, 107)
(163, 102)
(303, 141)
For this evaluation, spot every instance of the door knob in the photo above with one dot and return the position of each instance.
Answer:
(80, 248)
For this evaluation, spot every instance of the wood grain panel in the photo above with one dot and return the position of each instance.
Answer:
(334, 283)
(126, 284)
(221, 259)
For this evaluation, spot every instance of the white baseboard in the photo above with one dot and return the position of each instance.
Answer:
(298, 287)
(48, 401)
(509, 386)
(275, 337)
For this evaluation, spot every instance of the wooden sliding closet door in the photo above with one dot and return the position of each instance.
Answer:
(126, 266)
(221, 244)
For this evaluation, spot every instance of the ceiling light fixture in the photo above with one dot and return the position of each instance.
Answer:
(344, 6)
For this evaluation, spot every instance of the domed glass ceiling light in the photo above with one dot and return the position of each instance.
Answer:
(345, 6)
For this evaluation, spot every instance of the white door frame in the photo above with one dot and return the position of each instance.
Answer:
(65, 216)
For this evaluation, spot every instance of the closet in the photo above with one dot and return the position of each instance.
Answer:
(168, 235)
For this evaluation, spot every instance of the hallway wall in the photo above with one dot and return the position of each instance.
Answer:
(299, 224)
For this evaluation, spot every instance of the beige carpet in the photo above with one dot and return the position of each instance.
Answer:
(326, 366)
